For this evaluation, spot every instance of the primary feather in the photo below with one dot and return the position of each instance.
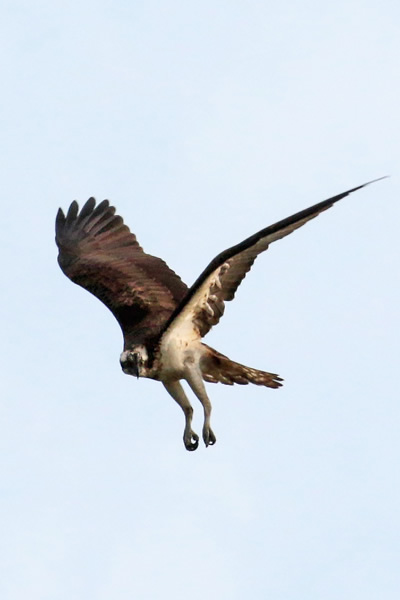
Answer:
(98, 252)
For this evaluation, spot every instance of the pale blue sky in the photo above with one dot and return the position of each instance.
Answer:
(203, 122)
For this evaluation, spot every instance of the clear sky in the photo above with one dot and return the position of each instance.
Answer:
(203, 122)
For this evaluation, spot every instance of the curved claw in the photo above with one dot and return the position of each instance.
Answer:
(187, 440)
(209, 437)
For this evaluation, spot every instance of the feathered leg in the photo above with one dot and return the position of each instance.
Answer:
(195, 380)
(190, 438)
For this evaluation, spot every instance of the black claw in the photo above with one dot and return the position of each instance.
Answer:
(192, 447)
(189, 445)
(209, 437)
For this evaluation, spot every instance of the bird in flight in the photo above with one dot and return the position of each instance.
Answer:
(162, 320)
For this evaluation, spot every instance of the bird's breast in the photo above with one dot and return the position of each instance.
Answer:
(175, 355)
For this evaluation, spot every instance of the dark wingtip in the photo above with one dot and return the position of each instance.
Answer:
(72, 212)
(60, 221)
(355, 189)
(102, 207)
(87, 208)
(60, 215)
(373, 181)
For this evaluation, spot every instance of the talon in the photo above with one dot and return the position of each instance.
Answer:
(209, 437)
(187, 440)
(212, 439)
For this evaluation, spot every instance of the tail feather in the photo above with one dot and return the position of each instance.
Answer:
(217, 368)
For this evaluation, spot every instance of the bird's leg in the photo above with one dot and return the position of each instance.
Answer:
(195, 380)
(190, 438)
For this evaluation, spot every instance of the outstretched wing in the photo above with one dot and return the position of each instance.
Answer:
(98, 252)
(203, 306)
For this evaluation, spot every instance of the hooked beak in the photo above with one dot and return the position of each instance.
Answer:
(135, 365)
(130, 363)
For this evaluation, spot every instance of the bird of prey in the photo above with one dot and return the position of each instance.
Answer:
(162, 320)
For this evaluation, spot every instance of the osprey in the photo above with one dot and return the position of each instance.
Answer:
(162, 320)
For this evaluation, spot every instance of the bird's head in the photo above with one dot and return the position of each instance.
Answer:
(134, 361)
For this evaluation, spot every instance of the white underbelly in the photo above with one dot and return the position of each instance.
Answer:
(176, 355)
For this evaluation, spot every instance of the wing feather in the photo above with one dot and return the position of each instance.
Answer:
(203, 305)
(98, 252)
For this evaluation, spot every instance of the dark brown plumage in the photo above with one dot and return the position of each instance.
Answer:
(162, 320)
(99, 253)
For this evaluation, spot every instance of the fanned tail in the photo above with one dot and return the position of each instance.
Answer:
(217, 368)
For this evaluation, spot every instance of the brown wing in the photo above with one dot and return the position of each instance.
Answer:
(98, 252)
(203, 306)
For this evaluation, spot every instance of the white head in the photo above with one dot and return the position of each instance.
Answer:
(134, 362)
